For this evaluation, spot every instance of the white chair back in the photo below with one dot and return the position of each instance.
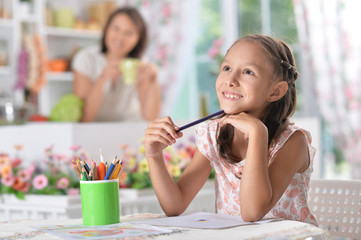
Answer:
(336, 205)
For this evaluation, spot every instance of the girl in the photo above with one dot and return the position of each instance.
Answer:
(262, 162)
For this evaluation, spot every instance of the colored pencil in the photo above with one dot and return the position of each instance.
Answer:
(101, 167)
(76, 168)
(116, 170)
(85, 175)
(87, 168)
(95, 172)
(199, 121)
(110, 169)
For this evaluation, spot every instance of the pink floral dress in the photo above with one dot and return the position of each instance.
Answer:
(293, 203)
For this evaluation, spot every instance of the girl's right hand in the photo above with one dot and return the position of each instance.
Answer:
(159, 134)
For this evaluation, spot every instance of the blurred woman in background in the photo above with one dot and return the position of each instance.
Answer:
(99, 82)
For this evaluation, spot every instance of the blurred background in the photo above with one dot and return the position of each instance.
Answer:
(188, 38)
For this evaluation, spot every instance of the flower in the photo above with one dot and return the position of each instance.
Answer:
(215, 54)
(40, 182)
(8, 180)
(62, 183)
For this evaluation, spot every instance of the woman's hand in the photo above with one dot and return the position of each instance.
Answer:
(111, 71)
(146, 73)
(159, 134)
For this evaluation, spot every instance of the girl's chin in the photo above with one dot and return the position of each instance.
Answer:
(231, 111)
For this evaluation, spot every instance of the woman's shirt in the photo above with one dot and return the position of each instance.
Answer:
(293, 203)
(120, 102)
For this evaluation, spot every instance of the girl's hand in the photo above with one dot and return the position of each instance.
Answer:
(245, 123)
(159, 134)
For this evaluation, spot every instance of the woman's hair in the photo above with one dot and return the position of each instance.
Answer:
(276, 115)
(133, 13)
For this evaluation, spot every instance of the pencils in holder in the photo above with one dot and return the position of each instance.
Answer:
(110, 169)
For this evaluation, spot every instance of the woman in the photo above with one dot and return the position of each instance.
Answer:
(98, 79)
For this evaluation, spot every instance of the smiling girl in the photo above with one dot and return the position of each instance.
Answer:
(262, 161)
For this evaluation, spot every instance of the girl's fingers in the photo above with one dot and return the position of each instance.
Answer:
(167, 124)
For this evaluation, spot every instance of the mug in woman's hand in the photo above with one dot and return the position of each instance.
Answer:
(128, 67)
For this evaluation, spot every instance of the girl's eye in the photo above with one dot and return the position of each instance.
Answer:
(226, 68)
(247, 71)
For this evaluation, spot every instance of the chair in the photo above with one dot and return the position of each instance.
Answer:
(336, 205)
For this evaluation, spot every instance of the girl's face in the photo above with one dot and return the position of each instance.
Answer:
(245, 81)
(122, 35)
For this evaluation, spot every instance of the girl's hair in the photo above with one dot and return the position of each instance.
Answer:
(276, 115)
(133, 13)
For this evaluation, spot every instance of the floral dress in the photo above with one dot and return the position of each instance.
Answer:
(293, 203)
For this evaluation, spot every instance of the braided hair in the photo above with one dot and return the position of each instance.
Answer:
(276, 115)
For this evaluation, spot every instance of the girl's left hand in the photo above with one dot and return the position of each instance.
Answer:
(244, 122)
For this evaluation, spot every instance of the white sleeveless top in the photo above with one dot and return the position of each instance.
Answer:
(293, 203)
(120, 102)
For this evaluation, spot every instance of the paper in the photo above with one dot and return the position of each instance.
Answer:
(119, 230)
(201, 220)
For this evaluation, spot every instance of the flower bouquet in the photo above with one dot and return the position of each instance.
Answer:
(53, 176)
(135, 173)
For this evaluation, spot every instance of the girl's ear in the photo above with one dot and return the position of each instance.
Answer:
(279, 90)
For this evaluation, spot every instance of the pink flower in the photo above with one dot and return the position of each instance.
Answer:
(8, 180)
(167, 157)
(73, 191)
(16, 162)
(166, 11)
(218, 42)
(40, 182)
(24, 175)
(75, 147)
(26, 187)
(62, 183)
(213, 52)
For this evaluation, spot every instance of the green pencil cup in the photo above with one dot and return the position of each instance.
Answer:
(100, 202)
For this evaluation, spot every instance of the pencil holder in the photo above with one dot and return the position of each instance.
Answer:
(100, 202)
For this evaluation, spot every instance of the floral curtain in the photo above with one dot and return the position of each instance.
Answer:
(165, 20)
(331, 45)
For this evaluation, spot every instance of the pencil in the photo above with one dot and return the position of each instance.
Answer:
(199, 121)
(91, 175)
(76, 168)
(121, 165)
(95, 172)
(110, 169)
(116, 170)
(85, 164)
(85, 175)
(101, 167)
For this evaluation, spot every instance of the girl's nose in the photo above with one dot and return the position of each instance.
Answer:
(231, 80)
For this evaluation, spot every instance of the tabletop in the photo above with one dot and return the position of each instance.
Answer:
(278, 229)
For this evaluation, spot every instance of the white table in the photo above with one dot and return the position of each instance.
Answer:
(273, 230)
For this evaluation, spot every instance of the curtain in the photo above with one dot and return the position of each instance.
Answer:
(330, 42)
(166, 30)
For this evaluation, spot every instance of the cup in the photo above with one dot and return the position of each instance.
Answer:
(128, 67)
(100, 202)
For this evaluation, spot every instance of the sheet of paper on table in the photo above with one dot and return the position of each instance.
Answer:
(113, 231)
(201, 220)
